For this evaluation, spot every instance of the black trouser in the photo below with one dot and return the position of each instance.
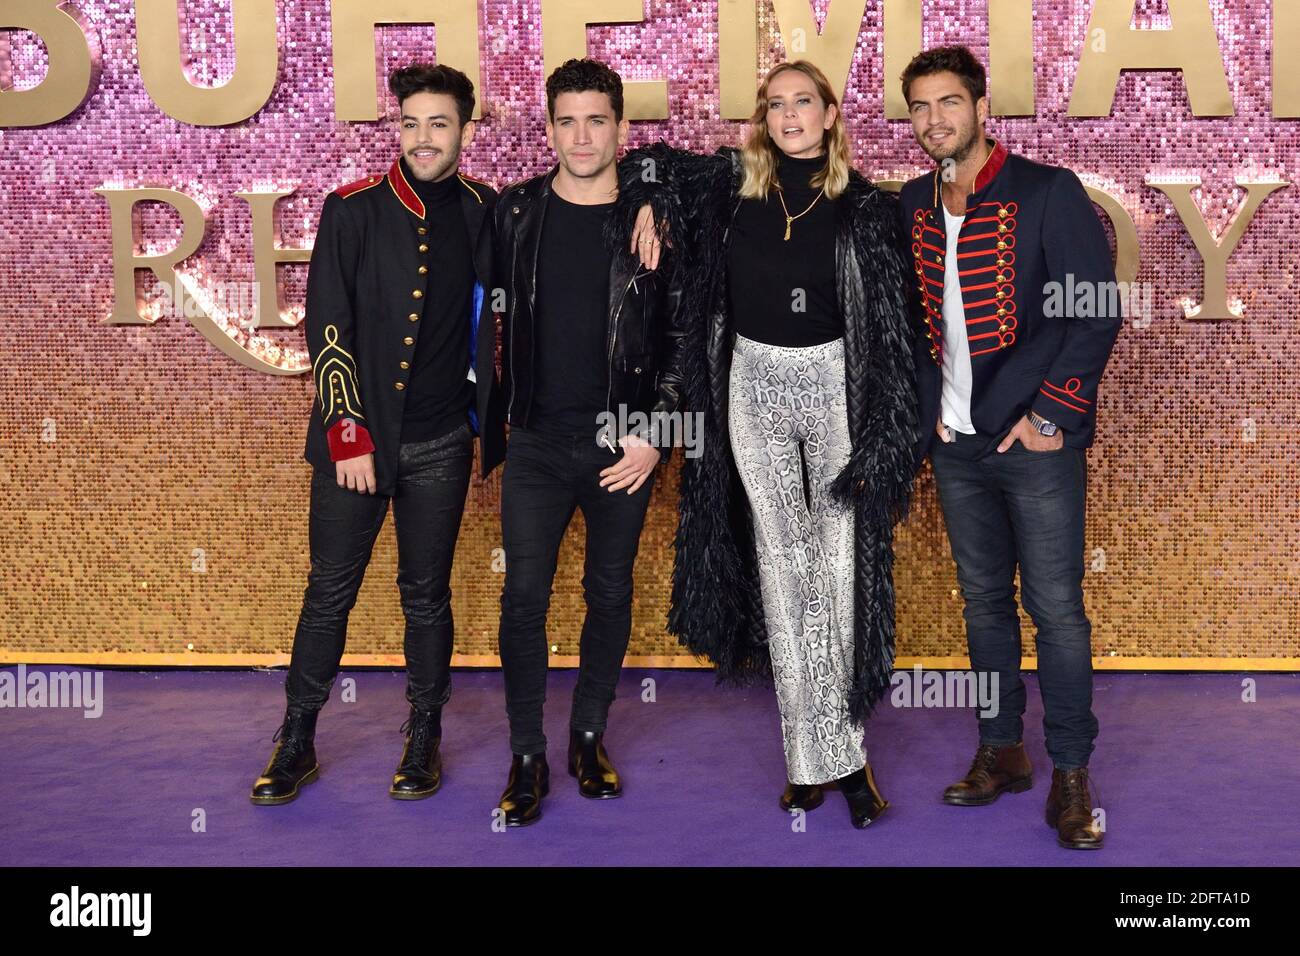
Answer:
(1027, 508)
(546, 478)
(432, 479)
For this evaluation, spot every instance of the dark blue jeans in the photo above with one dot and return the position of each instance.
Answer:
(432, 479)
(1023, 508)
(546, 478)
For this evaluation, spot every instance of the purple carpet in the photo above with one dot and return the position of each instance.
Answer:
(1187, 773)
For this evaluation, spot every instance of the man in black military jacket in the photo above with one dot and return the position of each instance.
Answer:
(402, 345)
(590, 340)
(1008, 374)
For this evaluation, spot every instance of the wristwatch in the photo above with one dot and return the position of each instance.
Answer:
(1042, 425)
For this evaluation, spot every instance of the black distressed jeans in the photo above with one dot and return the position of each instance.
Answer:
(1023, 508)
(432, 479)
(546, 478)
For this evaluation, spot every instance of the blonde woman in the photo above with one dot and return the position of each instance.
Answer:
(799, 358)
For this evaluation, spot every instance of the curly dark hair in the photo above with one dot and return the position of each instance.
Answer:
(428, 78)
(948, 59)
(581, 76)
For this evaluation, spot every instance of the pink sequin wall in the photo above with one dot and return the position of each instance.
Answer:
(156, 499)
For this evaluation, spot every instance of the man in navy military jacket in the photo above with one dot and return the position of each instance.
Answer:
(1008, 367)
(402, 345)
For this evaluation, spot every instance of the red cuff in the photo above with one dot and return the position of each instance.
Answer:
(1067, 408)
(340, 448)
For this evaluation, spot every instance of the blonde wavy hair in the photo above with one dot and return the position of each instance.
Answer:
(759, 154)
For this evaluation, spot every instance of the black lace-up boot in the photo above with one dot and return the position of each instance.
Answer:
(293, 762)
(420, 773)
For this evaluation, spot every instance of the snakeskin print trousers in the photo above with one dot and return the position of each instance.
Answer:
(788, 420)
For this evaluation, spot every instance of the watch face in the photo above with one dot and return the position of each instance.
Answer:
(1047, 429)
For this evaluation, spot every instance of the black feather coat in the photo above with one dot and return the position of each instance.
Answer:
(716, 609)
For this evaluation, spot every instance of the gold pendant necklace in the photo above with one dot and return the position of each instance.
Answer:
(789, 219)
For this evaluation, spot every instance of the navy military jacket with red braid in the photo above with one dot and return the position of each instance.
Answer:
(1027, 225)
(371, 269)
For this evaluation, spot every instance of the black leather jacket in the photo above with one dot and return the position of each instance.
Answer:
(643, 339)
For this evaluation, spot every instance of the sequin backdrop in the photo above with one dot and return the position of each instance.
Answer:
(126, 449)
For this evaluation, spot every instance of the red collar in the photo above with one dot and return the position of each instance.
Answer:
(993, 164)
(403, 191)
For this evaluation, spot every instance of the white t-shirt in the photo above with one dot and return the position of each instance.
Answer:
(956, 358)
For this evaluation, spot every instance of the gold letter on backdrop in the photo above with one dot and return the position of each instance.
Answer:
(121, 206)
(902, 42)
(257, 63)
(1286, 59)
(267, 256)
(831, 49)
(1011, 54)
(1190, 45)
(1215, 252)
(73, 62)
(737, 57)
(1011, 57)
(126, 305)
(564, 36)
(1126, 234)
(353, 30)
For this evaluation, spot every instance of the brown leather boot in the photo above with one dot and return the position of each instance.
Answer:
(1069, 809)
(994, 770)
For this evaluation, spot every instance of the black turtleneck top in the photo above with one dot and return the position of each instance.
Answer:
(783, 292)
(438, 394)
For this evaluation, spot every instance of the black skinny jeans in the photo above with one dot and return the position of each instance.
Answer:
(546, 478)
(432, 479)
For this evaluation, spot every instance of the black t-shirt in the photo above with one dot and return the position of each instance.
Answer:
(570, 367)
(783, 292)
(438, 394)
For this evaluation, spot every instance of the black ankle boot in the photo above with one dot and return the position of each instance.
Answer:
(589, 762)
(802, 796)
(865, 801)
(419, 774)
(530, 780)
(293, 762)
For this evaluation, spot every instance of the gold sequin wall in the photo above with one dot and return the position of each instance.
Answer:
(154, 488)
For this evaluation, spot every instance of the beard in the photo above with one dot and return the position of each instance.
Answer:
(958, 151)
(441, 163)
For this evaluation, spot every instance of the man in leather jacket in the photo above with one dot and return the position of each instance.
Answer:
(589, 340)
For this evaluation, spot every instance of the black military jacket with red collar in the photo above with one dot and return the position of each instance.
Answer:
(370, 272)
(1027, 225)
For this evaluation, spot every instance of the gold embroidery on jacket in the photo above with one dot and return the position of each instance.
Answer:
(335, 372)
